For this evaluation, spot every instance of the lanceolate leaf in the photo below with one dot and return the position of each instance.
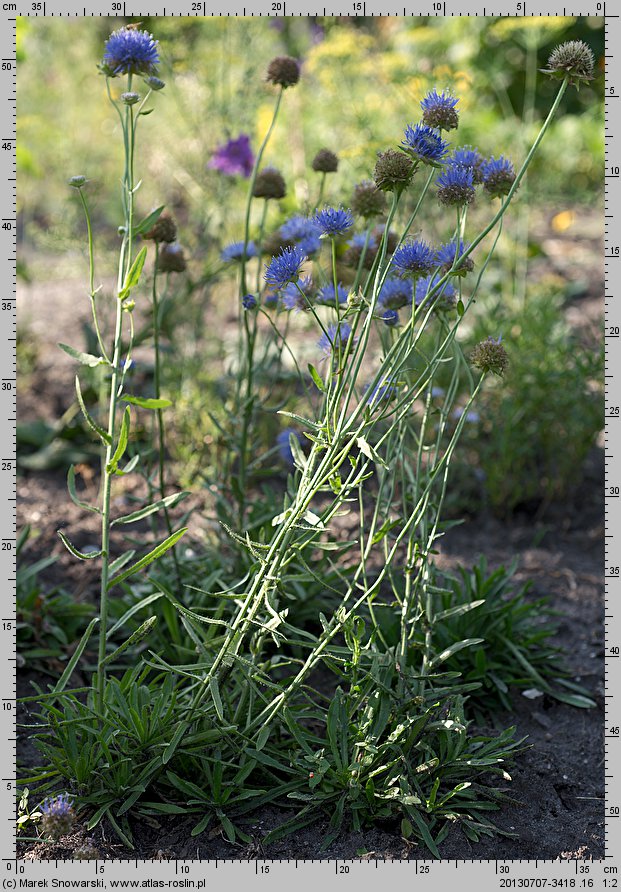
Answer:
(121, 446)
(147, 403)
(85, 358)
(168, 502)
(133, 276)
(91, 423)
(74, 496)
(148, 221)
(82, 555)
(153, 555)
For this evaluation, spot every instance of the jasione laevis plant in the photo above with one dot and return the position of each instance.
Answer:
(130, 54)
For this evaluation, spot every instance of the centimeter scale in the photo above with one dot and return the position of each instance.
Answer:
(363, 874)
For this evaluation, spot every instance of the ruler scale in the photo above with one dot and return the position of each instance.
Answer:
(427, 874)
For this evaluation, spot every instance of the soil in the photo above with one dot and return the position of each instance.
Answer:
(558, 783)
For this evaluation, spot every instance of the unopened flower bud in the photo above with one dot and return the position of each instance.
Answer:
(490, 356)
(77, 182)
(573, 59)
(393, 171)
(155, 83)
(130, 98)
(325, 161)
(284, 71)
(269, 183)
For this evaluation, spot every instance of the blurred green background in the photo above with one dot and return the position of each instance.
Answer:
(362, 81)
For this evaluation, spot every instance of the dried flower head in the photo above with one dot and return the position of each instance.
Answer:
(367, 201)
(171, 258)
(490, 356)
(163, 230)
(325, 161)
(87, 851)
(130, 51)
(574, 60)
(269, 183)
(284, 71)
(439, 111)
(393, 171)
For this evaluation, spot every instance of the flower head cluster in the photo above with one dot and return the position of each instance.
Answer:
(446, 256)
(285, 267)
(163, 230)
(171, 258)
(325, 161)
(367, 201)
(234, 253)
(466, 156)
(498, 176)
(573, 59)
(303, 232)
(130, 51)
(393, 171)
(444, 300)
(333, 221)
(425, 144)
(335, 338)
(439, 111)
(249, 302)
(490, 356)
(57, 815)
(395, 294)
(326, 296)
(297, 296)
(234, 158)
(283, 71)
(455, 186)
(415, 258)
(390, 317)
(269, 183)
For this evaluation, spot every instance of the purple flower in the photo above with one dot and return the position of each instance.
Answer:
(249, 302)
(130, 51)
(285, 267)
(234, 158)
(415, 258)
(326, 296)
(291, 297)
(235, 252)
(333, 221)
(395, 294)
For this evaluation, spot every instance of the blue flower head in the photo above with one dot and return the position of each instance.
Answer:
(414, 258)
(249, 302)
(285, 267)
(395, 294)
(283, 443)
(326, 296)
(334, 337)
(455, 186)
(498, 176)
(333, 221)
(381, 393)
(425, 144)
(467, 156)
(235, 252)
(445, 257)
(291, 297)
(303, 232)
(390, 318)
(57, 815)
(130, 51)
(444, 299)
(439, 111)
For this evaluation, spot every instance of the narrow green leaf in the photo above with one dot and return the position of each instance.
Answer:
(61, 684)
(121, 446)
(457, 611)
(153, 555)
(140, 633)
(168, 502)
(215, 694)
(263, 736)
(169, 752)
(82, 555)
(316, 378)
(147, 222)
(365, 447)
(453, 649)
(460, 308)
(73, 494)
(136, 607)
(135, 271)
(104, 435)
(85, 358)
(147, 403)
